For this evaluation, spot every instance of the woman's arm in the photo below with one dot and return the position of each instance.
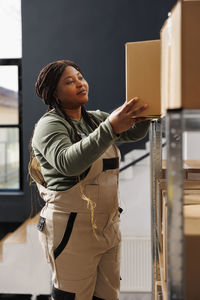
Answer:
(52, 141)
(137, 132)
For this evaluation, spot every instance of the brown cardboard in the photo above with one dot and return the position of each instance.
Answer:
(192, 219)
(192, 267)
(187, 164)
(165, 55)
(191, 197)
(192, 242)
(158, 290)
(143, 75)
(192, 250)
(175, 75)
(184, 58)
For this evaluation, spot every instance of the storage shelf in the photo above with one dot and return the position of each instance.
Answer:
(172, 177)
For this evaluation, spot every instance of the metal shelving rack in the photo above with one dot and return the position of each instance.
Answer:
(175, 124)
(156, 161)
(155, 157)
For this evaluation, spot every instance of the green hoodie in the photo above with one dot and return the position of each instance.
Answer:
(62, 159)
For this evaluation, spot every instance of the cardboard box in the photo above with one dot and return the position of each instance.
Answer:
(192, 250)
(191, 169)
(181, 63)
(158, 290)
(165, 55)
(194, 164)
(143, 75)
(192, 241)
(192, 266)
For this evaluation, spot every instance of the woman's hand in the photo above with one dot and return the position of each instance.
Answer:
(125, 116)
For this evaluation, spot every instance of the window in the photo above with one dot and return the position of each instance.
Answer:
(10, 29)
(10, 94)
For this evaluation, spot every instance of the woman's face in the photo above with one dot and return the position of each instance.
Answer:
(72, 89)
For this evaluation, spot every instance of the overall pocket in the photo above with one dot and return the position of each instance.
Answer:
(65, 239)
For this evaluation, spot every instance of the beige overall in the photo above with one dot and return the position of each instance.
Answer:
(85, 263)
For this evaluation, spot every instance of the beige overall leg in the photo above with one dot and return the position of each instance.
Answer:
(84, 265)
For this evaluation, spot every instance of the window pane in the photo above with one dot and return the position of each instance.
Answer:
(8, 95)
(9, 158)
(10, 29)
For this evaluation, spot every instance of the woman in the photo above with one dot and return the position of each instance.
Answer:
(75, 164)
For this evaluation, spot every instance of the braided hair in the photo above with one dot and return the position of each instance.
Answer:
(45, 86)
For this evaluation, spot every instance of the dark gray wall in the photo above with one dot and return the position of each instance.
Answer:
(93, 34)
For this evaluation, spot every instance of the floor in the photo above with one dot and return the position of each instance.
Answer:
(135, 296)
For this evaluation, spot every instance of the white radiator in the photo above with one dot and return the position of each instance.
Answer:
(136, 264)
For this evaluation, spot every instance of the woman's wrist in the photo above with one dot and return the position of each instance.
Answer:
(112, 128)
